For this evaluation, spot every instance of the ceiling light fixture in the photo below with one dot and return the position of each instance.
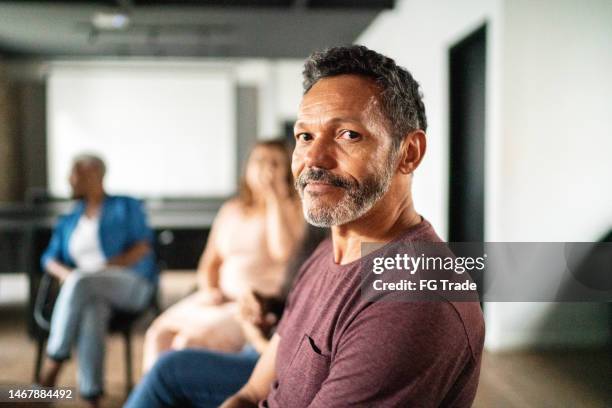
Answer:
(110, 21)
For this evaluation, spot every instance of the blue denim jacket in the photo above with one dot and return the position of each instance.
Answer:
(123, 223)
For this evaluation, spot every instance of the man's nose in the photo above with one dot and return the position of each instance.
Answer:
(320, 153)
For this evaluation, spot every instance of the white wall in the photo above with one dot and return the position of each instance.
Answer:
(288, 74)
(417, 35)
(279, 84)
(557, 122)
(164, 129)
(548, 141)
(93, 103)
(555, 155)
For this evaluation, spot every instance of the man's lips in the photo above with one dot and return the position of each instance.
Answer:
(320, 187)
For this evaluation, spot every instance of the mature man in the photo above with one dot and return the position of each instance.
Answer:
(102, 252)
(360, 135)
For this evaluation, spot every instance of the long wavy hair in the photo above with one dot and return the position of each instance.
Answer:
(245, 194)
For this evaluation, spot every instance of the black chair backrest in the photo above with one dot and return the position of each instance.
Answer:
(48, 290)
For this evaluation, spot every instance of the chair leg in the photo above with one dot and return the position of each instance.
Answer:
(39, 358)
(128, 361)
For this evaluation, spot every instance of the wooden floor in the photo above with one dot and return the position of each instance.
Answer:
(534, 379)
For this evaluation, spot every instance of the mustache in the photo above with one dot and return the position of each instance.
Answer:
(325, 176)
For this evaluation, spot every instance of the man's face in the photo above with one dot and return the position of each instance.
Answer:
(343, 162)
(82, 179)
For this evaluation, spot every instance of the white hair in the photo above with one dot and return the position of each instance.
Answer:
(91, 160)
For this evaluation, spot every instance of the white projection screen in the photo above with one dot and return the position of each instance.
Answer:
(164, 130)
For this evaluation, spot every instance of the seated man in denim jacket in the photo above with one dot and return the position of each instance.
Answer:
(102, 252)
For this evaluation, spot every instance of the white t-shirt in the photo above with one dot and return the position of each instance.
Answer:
(84, 245)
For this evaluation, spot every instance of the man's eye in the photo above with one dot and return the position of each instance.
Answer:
(350, 135)
(304, 137)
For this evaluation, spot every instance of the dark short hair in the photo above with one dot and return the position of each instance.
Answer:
(400, 97)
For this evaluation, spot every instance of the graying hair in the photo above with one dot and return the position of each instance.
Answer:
(91, 160)
(400, 98)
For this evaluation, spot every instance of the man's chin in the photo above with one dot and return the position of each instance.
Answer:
(329, 214)
(318, 221)
(325, 216)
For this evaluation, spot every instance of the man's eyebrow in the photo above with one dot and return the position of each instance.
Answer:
(301, 123)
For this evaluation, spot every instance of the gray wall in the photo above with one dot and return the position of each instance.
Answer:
(246, 126)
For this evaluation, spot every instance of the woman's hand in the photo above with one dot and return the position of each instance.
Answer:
(272, 182)
(58, 270)
(256, 322)
(252, 310)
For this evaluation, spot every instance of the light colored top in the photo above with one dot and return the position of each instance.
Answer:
(247, 264)
(123, 223)
(84, 245)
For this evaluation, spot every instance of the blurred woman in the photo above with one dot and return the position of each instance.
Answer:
(203, 378)
(248, 248)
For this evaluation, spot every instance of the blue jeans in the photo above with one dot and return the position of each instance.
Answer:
(81, 314)
(193, 378)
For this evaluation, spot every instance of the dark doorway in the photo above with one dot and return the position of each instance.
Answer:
(467, 138)
(288, 133)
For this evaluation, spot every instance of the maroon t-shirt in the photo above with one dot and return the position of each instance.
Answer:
(337, 349)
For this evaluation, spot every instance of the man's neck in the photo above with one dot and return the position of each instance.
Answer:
(93, 202)
(382, 223)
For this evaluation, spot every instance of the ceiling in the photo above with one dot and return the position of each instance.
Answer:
(183, 28)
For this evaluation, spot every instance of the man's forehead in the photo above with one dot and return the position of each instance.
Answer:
(85, 167)
(343, 95)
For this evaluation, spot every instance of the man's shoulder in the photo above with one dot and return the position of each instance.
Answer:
(74, 213)
(312, 264)
(65, 219)
(422, 232)
(124, 204)
(123, 199)
(448, 324)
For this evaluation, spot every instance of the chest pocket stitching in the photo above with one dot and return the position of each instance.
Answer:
(309, 357)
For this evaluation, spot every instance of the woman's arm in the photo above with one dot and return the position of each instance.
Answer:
(210, 262)
(209, 265)
(57, 269)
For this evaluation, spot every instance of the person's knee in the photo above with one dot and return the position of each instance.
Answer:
(183, 340)
(157, 331)
(77, 283)
(163, 373)
(169, 361)
(162, 384)
(153, 387)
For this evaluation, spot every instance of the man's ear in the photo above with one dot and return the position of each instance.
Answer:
(412, 151)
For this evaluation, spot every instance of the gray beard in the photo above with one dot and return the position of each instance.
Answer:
(356, 202)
